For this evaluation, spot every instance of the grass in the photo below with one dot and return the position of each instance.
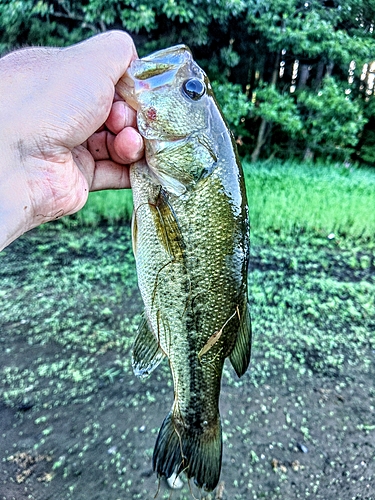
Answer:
(312, 300)
(287, 198)
(72, 281)
(104, 206)
(293, 198)
(313, 304)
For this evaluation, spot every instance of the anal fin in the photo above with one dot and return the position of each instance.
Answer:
(147, 354)
(240, 355)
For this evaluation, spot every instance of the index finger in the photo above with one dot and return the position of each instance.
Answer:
(120, 117)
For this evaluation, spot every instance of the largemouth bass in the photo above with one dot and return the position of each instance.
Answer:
(191, 245)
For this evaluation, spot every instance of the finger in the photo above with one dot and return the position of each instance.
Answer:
(104, 174)
(86, 98)
(94, 54)
(97, 146)
(110, 175)
(127, 145)
(128, 148)
(116, 97)
(121, 116)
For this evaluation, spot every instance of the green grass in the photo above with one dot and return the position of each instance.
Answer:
(293, 198)
(74, 277)
(287, 198)
(312, 303)
(104, 206)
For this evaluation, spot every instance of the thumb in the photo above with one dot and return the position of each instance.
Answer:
(109, 54)
(93, 68)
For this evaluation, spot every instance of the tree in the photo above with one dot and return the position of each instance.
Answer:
(280, 61)
(332, 121)
(307, 41)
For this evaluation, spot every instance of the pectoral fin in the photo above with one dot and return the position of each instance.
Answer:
(167, 227)
(134, 229)
(147, 354)
(240, 356)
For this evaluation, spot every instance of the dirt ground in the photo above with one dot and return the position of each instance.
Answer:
(288, 436)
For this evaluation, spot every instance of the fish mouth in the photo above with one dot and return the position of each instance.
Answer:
(154, 71)
(125, 89)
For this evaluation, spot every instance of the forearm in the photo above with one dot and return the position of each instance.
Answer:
(15, 209)
(13, 214)
(11, 226)
(26, 190)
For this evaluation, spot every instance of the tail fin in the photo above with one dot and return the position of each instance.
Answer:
(197, 452)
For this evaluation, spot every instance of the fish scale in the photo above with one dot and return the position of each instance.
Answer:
(191, 246)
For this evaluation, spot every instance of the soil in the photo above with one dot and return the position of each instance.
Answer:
(291, 436)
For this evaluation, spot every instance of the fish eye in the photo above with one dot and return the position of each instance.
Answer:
(194, 88)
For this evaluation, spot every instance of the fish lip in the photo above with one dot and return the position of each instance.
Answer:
(175, 49)
(161, 61)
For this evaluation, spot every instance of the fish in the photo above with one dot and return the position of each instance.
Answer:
(190, 233)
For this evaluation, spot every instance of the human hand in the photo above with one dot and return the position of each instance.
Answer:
(64, 132)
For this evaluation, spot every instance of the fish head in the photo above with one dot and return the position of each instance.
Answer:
(168, 91)
(175, 106)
